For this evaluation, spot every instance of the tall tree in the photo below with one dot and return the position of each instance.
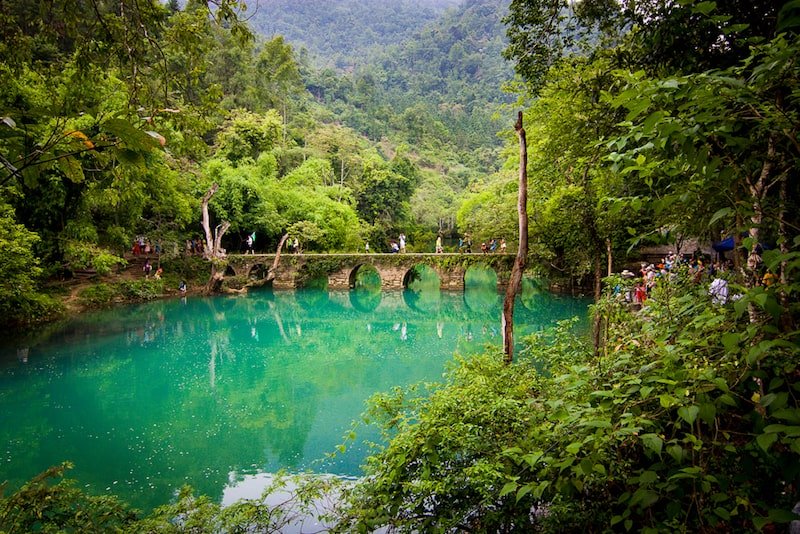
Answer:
(507, 321)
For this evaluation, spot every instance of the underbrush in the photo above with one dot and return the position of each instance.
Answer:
(687, 420)
(102, 294)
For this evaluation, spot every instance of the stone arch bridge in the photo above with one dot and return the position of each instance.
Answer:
(294, 270)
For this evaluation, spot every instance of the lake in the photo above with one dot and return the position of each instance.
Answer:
(217, 392)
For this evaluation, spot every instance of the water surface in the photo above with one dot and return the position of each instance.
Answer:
(214, 391)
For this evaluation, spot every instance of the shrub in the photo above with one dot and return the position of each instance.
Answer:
(142, 289)
(97, 295)
(687, 421)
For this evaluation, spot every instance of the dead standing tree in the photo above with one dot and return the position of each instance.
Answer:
(522, 252)
(213, 249)
(216, 254)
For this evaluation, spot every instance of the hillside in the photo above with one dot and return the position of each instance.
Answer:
(335, 32)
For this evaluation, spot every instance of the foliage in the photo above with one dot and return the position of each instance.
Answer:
(660, 37)
(687, 422)
(19, 300)
(717, 144)
(141, 289)
(246, 135)
(98, 294)
(39, 506)
(83, 256)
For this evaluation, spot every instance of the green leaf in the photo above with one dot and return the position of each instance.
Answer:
(652, 442)
(779, 515)
(539, 490)
(648, 477)
(667, 401)
(676, 452)
(636, 107)
(598, 423)
(653, 119)
(508, 488)
(765, 440)
(72, 169)
(730, 341)
(708, 411)
(586, 466)
(644, 498)
(724, 212)
(129, 135)
(532, 458)
(704, 8)
(688, 413)
(723, 513)
(789, 431)
(524, 490)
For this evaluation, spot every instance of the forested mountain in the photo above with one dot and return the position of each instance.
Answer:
(439, 94)
(340, 33)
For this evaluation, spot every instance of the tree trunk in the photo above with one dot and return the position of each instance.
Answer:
(758, 192)
(208, 253)
(213, 249)
(522, 251)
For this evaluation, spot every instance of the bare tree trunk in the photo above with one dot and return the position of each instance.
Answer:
(522, 251)
(277, 260)
(758, 192)
(213, 249)
(209, 248)
(597, 323)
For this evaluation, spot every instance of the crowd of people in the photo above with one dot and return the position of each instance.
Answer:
(143, 246)
(698, 268)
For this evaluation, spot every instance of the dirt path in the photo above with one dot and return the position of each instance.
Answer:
(71, 289)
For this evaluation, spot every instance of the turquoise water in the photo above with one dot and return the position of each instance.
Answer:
(213, 392)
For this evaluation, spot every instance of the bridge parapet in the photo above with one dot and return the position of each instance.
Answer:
(340, 269)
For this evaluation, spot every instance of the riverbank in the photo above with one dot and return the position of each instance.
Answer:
(87, 291)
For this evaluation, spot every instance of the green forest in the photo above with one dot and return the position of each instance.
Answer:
(648, 123)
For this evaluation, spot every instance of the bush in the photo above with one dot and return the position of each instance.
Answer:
(687, 421)
(85, 256)
(98, 295)
(40, 506)
(141, 289)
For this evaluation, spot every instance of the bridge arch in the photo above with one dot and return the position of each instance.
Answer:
(480, 274)
(364, 270)
(420, 274)
(257, 271)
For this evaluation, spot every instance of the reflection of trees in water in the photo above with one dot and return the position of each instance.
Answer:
(169, 389)
(365, 299)
(422, 301)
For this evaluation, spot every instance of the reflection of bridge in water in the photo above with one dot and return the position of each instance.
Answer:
(395, 270)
